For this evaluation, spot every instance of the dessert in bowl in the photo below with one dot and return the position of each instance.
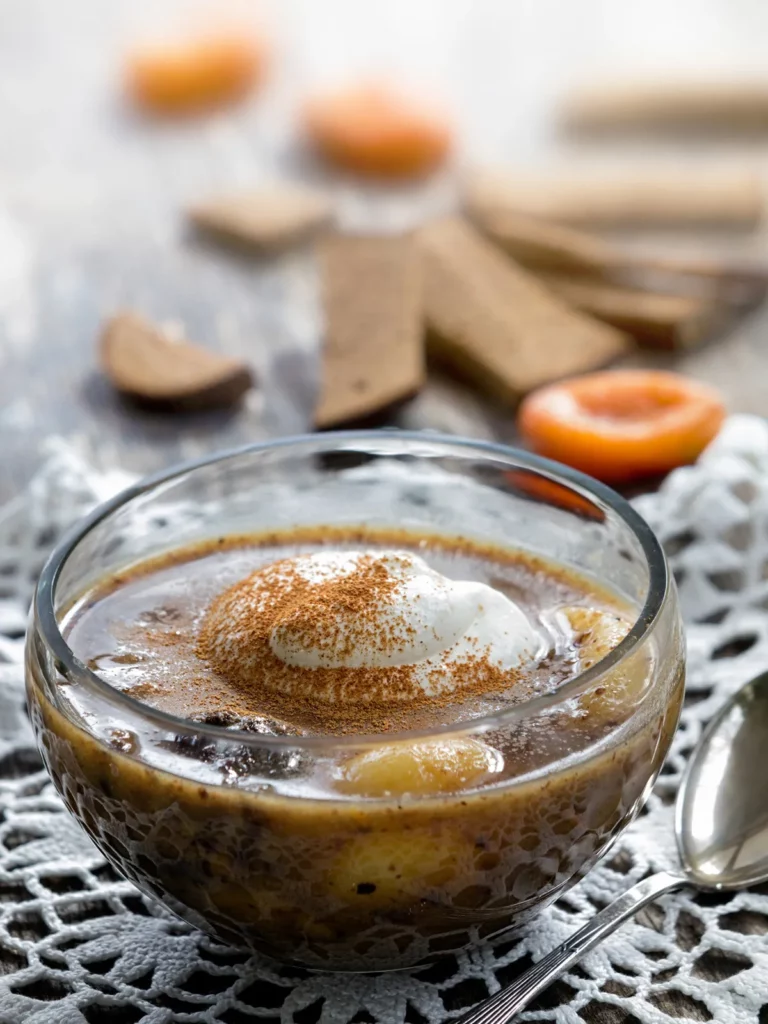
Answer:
(357, 700)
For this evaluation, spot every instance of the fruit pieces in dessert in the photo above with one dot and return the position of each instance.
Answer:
(431, 766)
(393, 869)
(373, 351)
(195, 74)
(146, 365)
(377, 131)
(623, 424)
(596, 633)
(356, 831)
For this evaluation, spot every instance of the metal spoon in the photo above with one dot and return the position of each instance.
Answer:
(721, 826)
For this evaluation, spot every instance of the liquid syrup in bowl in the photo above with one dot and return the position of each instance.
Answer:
(139, 631)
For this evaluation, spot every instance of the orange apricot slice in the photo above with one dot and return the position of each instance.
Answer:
(195, 74)
(621, 425)
(377, 131)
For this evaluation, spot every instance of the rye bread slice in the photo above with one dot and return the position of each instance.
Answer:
(495, 323)
(143, 363)
(373, 354)
(654, 319)
(264, 220)
(652, 199)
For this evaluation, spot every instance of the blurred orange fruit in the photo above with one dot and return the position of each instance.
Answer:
(622, 424)
(374, 130)
(196, 74)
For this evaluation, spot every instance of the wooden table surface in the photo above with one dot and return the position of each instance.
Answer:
(90, 195)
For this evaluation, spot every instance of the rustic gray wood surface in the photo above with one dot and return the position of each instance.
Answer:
(91, 195)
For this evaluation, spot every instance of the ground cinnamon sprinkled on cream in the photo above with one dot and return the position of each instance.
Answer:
(335, 616)
(173, 676)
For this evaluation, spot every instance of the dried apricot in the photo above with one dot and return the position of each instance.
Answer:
(597, 632)
(620, 425)
(377, 131)
(435, 766)
(619, 690)
(389, 868)
(195, 74)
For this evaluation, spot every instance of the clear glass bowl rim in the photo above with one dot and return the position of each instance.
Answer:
(71, 668)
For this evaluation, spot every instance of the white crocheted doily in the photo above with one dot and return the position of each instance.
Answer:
(77, 944)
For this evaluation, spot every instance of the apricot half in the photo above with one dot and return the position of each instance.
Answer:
(598, 632)
(622, 424)
(418, 769)
(195, 74)
(378, 131)
(396, 868)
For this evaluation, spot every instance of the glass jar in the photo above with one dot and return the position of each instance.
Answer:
(333, 880)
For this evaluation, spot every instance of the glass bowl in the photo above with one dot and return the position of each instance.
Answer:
(337, 881)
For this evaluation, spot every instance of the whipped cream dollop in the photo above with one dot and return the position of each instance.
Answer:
(365, 625)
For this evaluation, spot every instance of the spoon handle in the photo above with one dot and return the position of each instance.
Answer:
(502, 1007)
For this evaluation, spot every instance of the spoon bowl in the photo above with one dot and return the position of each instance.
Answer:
(721, 818)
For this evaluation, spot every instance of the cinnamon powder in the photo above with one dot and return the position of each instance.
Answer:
(336, 616)
(172, 659)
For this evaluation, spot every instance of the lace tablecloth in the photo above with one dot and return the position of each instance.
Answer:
(78, 944)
